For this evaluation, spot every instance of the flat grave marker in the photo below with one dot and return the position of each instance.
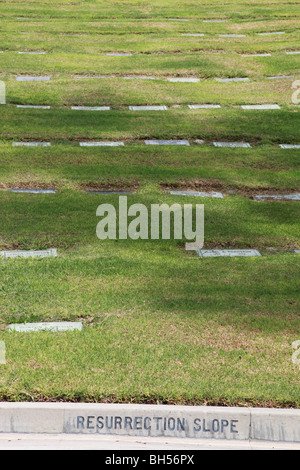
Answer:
(32, 106)
(197, 194)
(193, 34)
(139, 77)
(101, 144)
(265, 54)
(32, 79)
(271, 33)
(232, 144)
(45, 326)
(230, 253)
(228, 80)
(92, 191)
(232, 35)
(89, 76)
(119, 54)
(292, 52)
(184, 80)
(280, 77)
(90, 108)
(31, 144)
(28, 253)
(260, 106)
(34, 191)
(148, 108)
(277, 197)
(167, 142)
(204, 106)
(289, 146)
(32, 52)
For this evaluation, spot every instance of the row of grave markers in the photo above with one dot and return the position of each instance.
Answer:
(183, 142)
(128, 54)
(202, 253)
(258, 107)
(28, 78)
(212, 194)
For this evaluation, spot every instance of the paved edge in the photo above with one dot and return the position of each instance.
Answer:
(191, 422)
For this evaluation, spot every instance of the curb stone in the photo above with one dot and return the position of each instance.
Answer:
(229, 423)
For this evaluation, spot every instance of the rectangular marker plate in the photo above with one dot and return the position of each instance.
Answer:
(261, 106)
(197, 193)
(232, 144)
(32, 79)
(228, 80)
(280, 77)
(231, 253)
(108, 192)
(50, 326)
(148, 108)
(289, 146)
(85, 76)
(90, 108)
(184, 80)
(34, 191)
(204, 106)
(31, 144)
(141, 77)
(32, 52)
(101, 144)
(29, 106)
(28, 253)
(167, 142)
(232, 35)
(271, 33)
(267, 54)
(278, 197)
(118, 54)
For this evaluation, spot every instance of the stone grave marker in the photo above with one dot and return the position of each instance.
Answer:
(260, 106)
(28, 253)
(280, 77)
(232, 35)
(230, 253)
(271, 33)
(107, 192)
(101, 144)
(119, 54)
(277, 197)
(32, 79)
(31, 106)
(183, 80)
(148, 108)
(45, 326)
(90, 108)
(198, 194)
(204, 106)
(228, 80)
(167, 142)
(34, 191)
(232, 144)
(31, 144)
(289, 146)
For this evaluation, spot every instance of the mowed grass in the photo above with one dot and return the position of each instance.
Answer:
(161, 325)
(280, 126)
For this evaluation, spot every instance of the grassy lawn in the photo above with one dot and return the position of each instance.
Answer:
(161, 325)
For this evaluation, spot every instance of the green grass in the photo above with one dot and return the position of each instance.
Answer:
(161, 325)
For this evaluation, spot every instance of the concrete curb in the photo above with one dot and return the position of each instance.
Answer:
(230, 423)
